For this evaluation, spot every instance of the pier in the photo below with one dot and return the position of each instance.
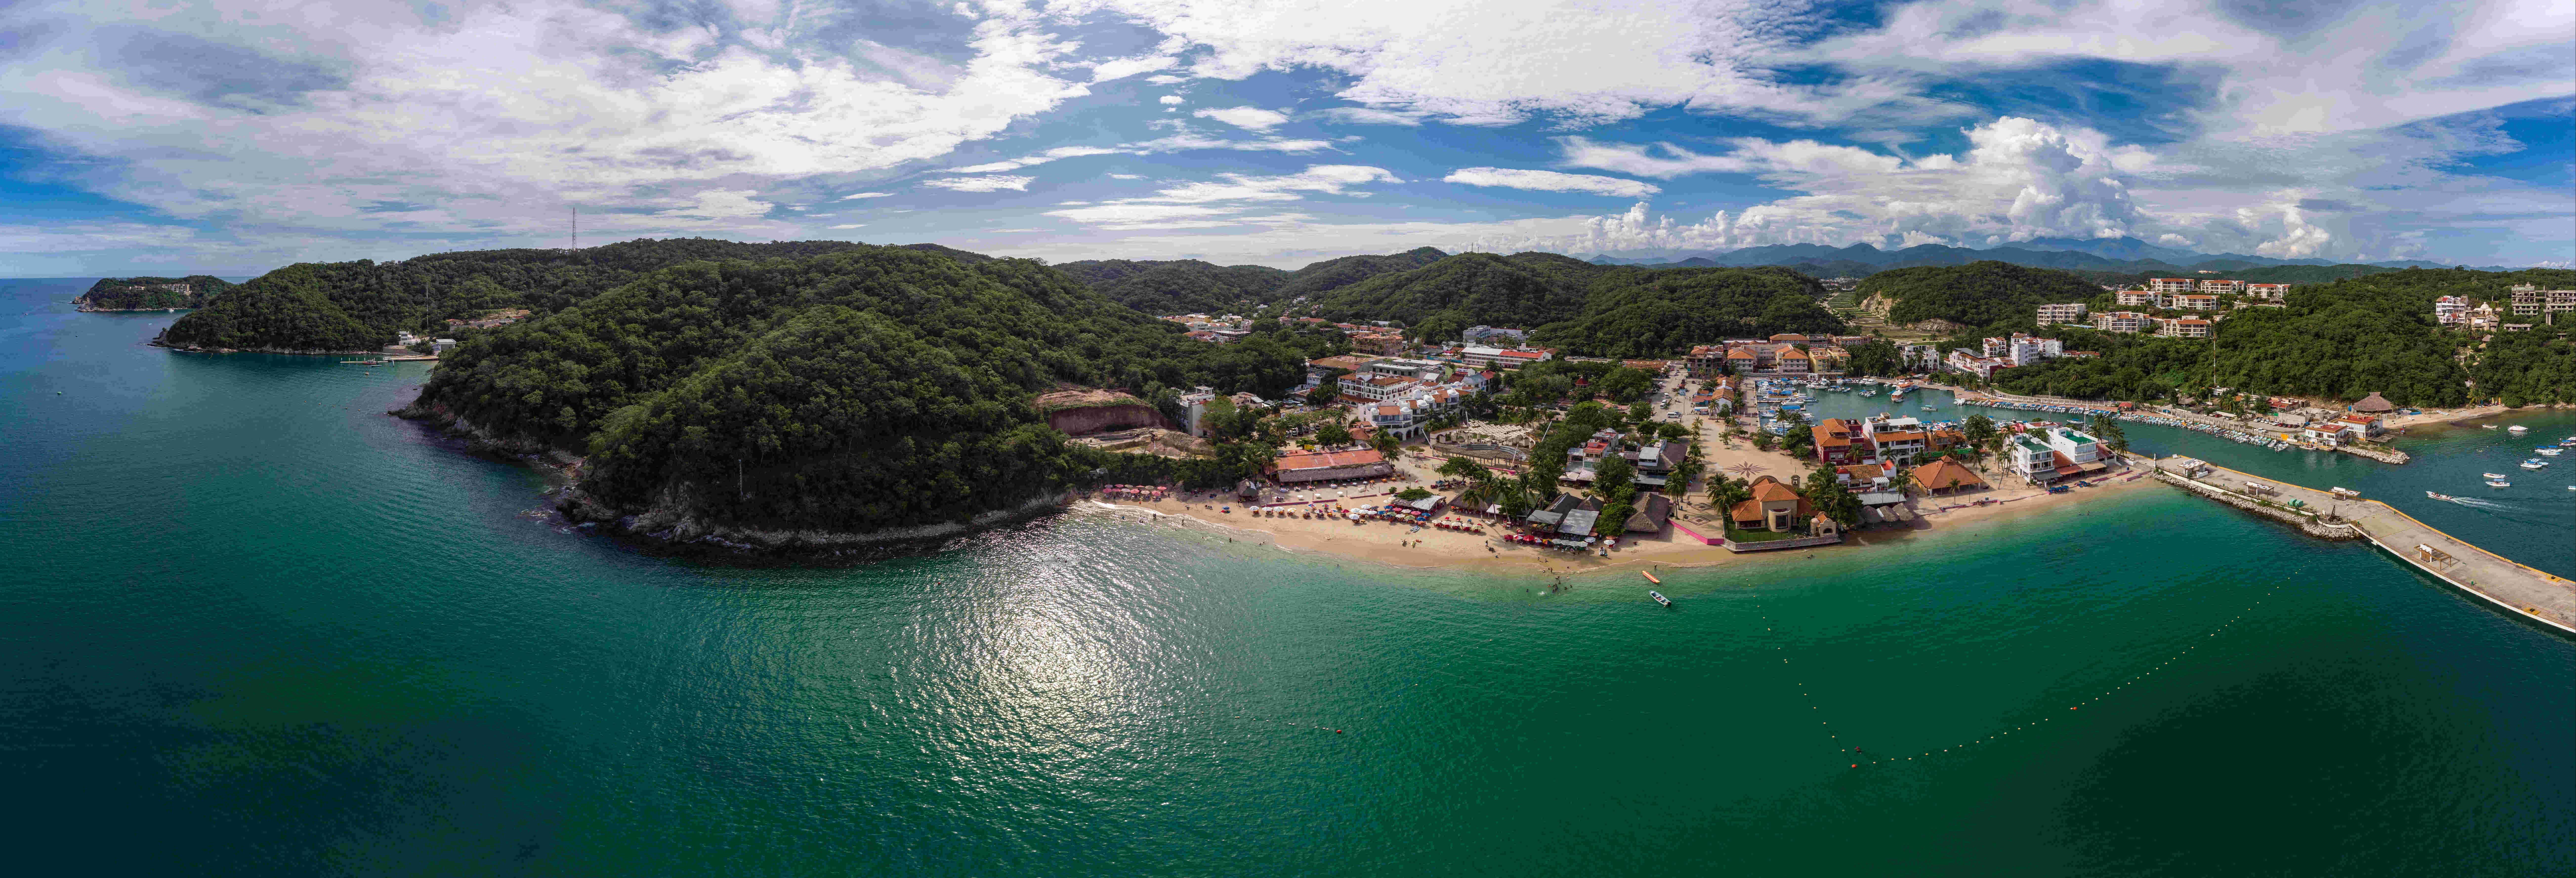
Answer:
(2518, 588)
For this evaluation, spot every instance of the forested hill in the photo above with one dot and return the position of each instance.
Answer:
(1586, 308)
(1184, 286)
(1178, 286)
(357, 306)
(2340, 340)
(1632, 312)
(151, 293)
(1981, 294)
(858, 391)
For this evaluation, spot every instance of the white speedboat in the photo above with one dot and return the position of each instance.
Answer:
(2439, 496)
(2492, 475)
(2488, 426)
(2498, 483)
(1659, 597)
(2534, 463)
(2547, 452)
(2517, 428)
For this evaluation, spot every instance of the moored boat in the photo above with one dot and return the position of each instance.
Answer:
(2492, 475)
(2498, 483)
(2517, 428)
(1659, 597)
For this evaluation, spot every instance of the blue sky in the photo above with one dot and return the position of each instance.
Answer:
(233, 137)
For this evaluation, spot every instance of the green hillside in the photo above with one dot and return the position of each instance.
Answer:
(357, 306)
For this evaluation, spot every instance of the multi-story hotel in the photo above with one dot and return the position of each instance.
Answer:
(2070, 312)
(2123, 321)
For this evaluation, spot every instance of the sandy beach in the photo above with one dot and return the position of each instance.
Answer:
(1405, 545)
(2449, 416)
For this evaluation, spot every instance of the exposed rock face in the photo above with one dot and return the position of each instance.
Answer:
(1081, 412)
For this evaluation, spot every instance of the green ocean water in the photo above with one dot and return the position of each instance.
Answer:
(253, 626)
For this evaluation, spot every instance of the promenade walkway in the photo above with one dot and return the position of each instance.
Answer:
(2516, 587)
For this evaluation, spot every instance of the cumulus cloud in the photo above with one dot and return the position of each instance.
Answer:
(1248, 118)
(856, 196)
(994, 183)
(1169, 100)
(851, 226)
(1551, 181)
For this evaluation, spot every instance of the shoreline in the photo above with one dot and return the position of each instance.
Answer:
(1403, 546)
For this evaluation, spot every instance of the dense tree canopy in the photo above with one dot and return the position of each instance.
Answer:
(142, 293)
(1637, 312)
(2339, 340)
(1984, 294)
(419, 292)
(860, 390)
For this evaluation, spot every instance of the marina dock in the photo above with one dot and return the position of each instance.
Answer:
(2518, 588)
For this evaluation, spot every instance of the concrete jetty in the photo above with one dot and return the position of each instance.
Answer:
(2516, 587)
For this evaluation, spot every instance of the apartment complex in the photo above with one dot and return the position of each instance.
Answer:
(2123, 321)
(2183, 327)
(2052, 315)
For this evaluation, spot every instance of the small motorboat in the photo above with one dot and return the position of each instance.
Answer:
(2534, 463)
(1659, 597)
(2439, 496)
(2547, 451)
(2488, 426)
(2492, 475)
(2498, 483)
(2517, 428)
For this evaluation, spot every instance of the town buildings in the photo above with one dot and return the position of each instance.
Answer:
(1965, 363)
(2070, 312)
(2133, 298)
(1317, 466)
(2192, 302)
(2268, 292)
(2022, 349)
(2169, 285)
(2215, 286)
(1378, 342)
(1504, 358)
(1839, 443)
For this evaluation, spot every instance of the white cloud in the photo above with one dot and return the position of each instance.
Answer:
(865, 195)
(851, 226)
(1249, 118)
(1126, 176)
(1373, 116)
(1061, 152)
(1551, 181)
(981, 184)
(1169, 100)
(1215, 203)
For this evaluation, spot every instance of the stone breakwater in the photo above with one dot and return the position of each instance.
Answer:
(2307, 521)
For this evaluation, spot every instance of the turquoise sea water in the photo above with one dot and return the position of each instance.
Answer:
(253, 626)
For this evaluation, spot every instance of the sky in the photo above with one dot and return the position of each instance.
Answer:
(170, 136)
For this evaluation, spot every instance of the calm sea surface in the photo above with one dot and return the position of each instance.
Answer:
(254, 626)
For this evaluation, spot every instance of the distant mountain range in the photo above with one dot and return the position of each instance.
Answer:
(2098, 254)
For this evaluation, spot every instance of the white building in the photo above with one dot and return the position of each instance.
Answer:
(2123, 321)
(1419, 370)
(2214, 286)
(2192, 302)
(2071, 312)
(2186, 327)
(2022, 350)
(1963, 362)
(2451, 310)
(2170, 284)
(2133, 298)
(1895, 440)
(2046, 455)
(2268, 292)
